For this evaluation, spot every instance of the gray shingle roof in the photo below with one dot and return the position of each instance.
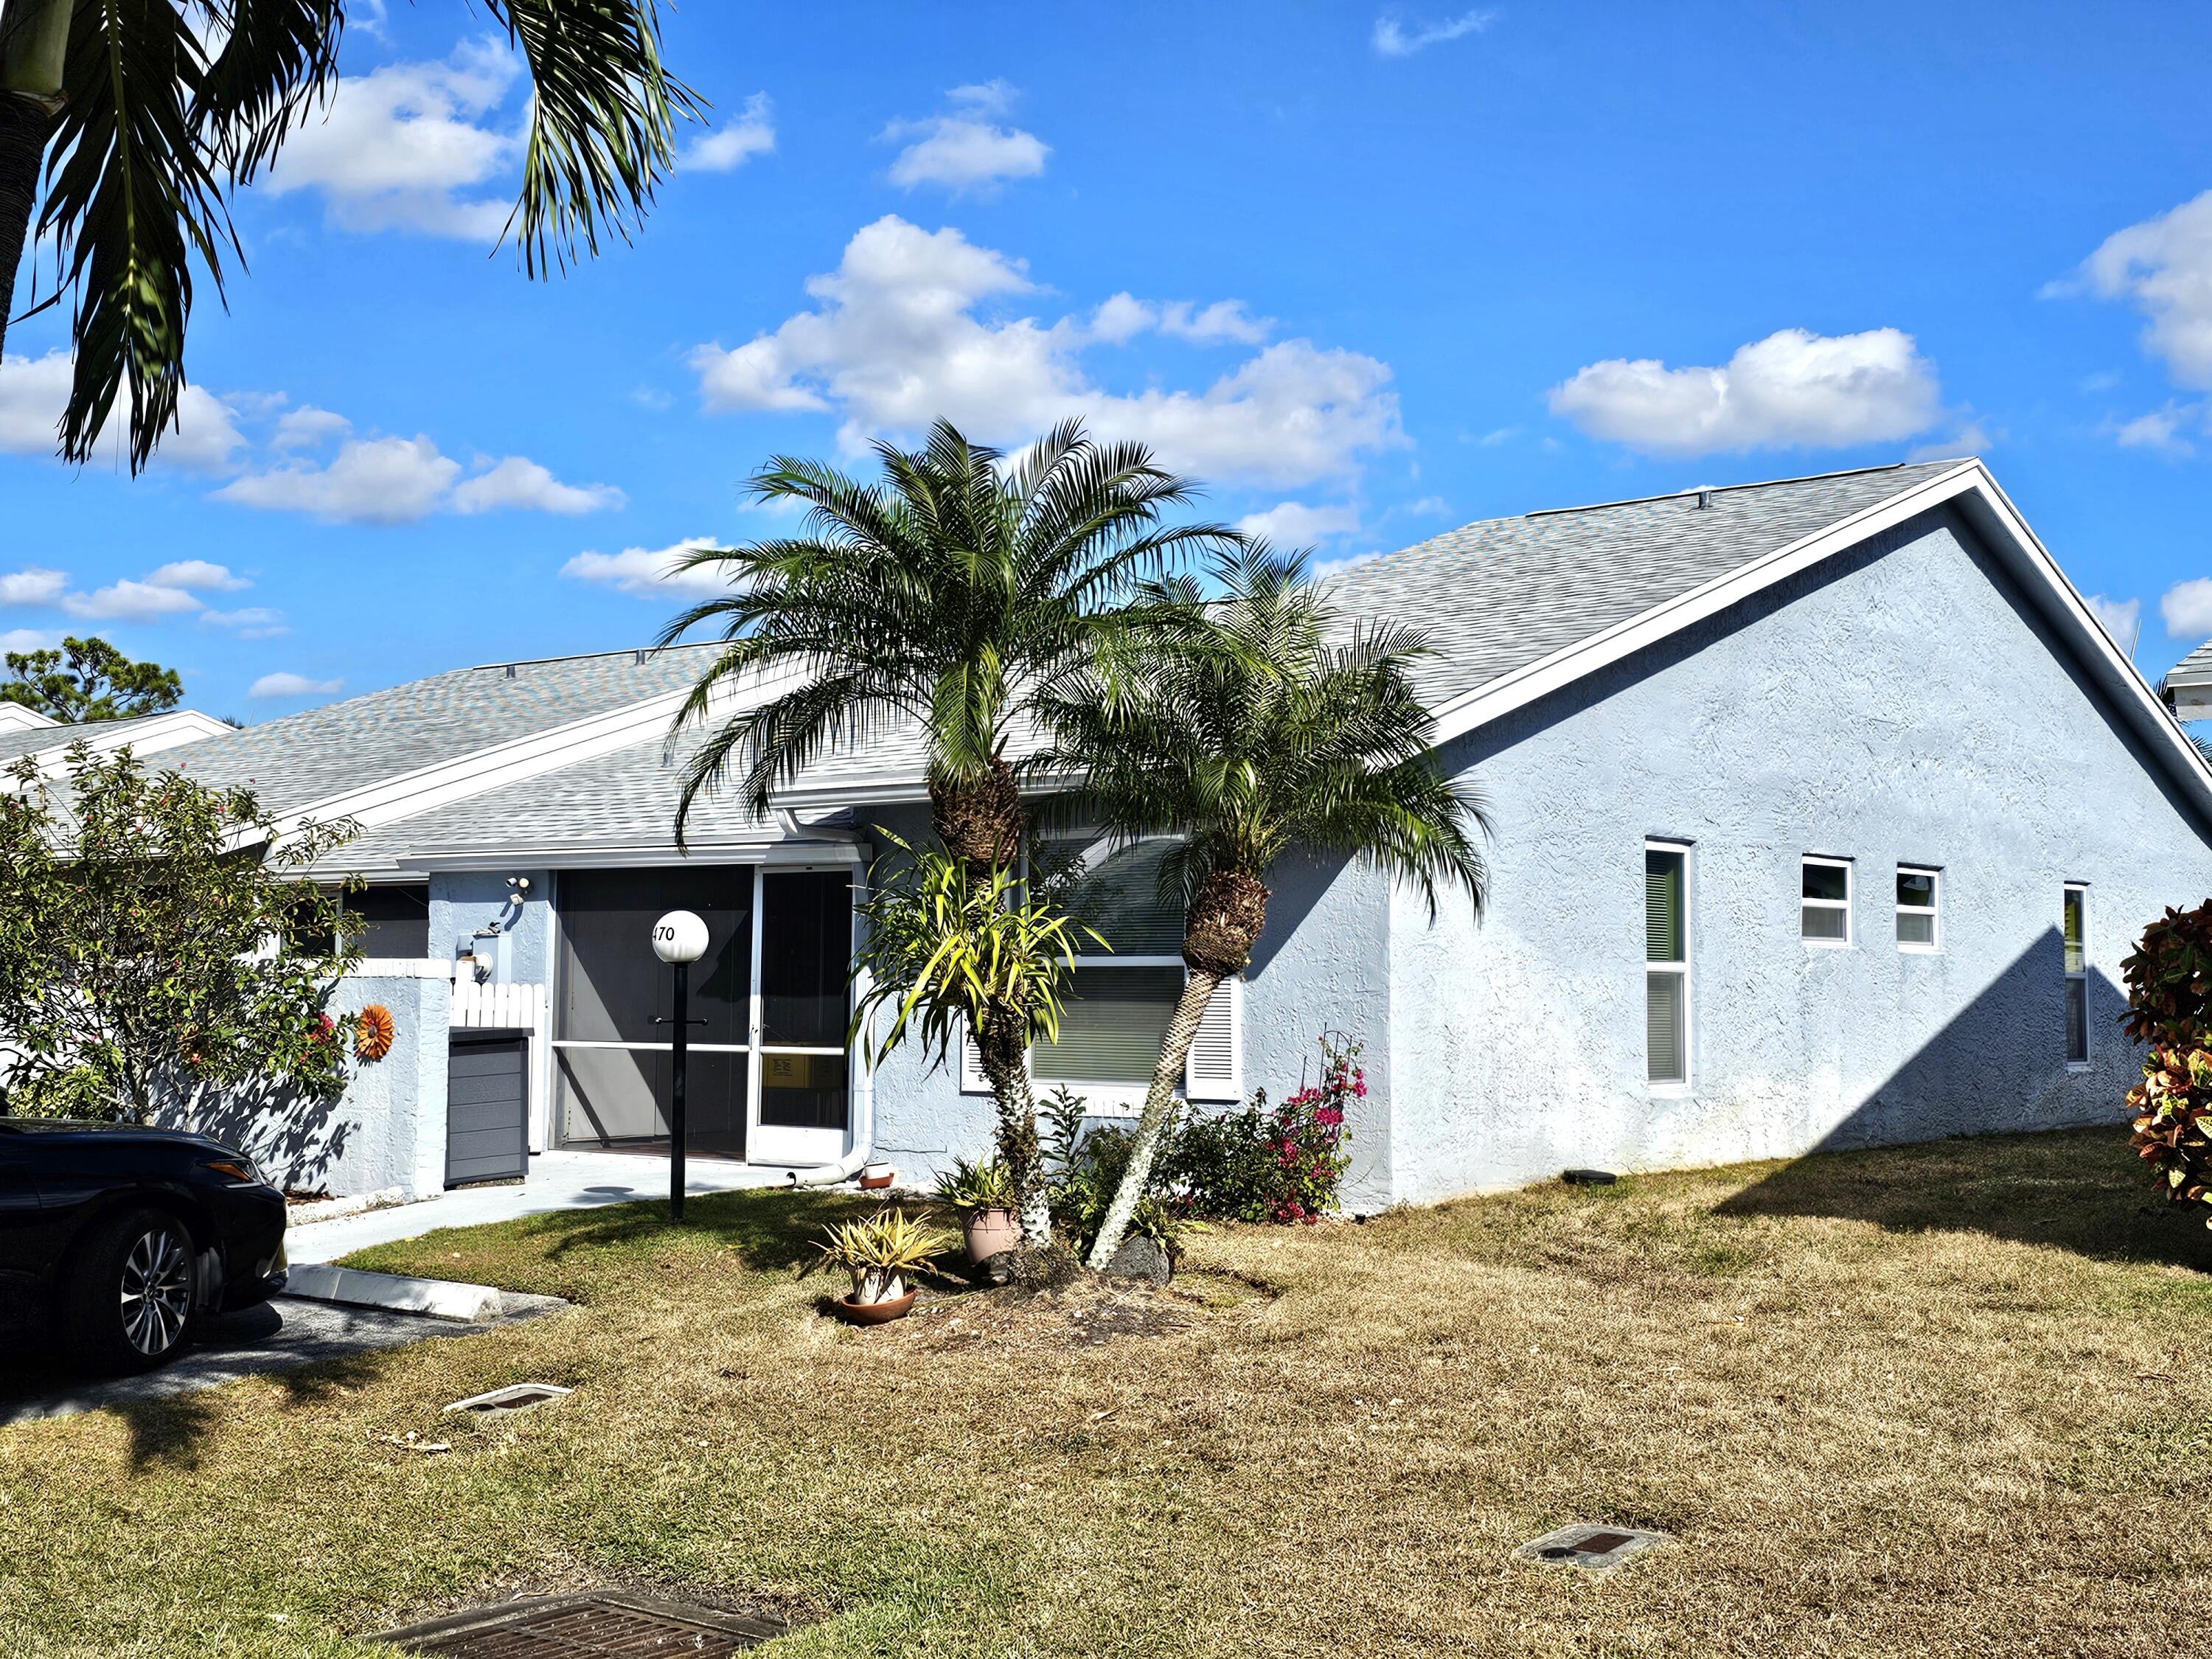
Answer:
(311, 756)
(624, 801)
(2195, 669)
(1499, 595)
(37, 739)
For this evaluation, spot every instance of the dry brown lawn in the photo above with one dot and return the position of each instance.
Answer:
(1947, 1400)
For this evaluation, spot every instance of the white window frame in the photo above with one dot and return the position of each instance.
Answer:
(1933, 912)
(1826, 862)
(1674, 1086)
(2077, 890)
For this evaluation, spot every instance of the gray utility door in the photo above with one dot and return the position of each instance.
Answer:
(487, 1106)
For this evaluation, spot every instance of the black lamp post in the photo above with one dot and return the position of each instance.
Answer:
(679, 938)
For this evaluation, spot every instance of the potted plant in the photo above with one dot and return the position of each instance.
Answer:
(983, 1194)
(883, 1254)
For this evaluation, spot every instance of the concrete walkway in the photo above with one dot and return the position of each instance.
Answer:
(557, 1181)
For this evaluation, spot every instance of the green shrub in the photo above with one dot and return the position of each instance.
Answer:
(2169, 981)
(1282, 1165)
(1087, 1166)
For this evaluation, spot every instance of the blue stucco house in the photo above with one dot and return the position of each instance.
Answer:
(1824, 813)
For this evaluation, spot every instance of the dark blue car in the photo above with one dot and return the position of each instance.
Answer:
(116, 1239)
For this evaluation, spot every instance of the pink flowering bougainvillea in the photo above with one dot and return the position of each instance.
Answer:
(1283, 1165)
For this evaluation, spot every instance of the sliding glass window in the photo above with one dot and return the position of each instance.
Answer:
(2075, 916)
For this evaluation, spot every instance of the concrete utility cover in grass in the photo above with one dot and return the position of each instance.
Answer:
(1592, 1548)
(599, 1626)
(514, 1397)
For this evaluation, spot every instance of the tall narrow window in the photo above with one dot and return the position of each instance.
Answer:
(1667, 962)
(2076, 928)
(1915, 909)
(1824, 914)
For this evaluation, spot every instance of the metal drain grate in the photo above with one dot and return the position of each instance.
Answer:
(603, 1624)
(1594, 1549)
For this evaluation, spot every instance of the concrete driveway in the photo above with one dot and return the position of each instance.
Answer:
(283, 1335)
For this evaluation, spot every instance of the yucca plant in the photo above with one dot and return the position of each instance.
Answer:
(882, 1252)
(971, 1188)
(950, 949)
(1262, 724)
(144, 116)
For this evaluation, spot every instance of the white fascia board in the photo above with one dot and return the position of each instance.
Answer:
(408, 794)
(525, 857)
(150, 735)
(22, 717)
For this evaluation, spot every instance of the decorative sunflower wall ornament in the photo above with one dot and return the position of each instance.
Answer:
(373, 1032)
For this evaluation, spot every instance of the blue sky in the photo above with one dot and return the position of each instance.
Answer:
(1369, 273)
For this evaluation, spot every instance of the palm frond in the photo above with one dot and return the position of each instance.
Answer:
(131, 195)
(601, 124)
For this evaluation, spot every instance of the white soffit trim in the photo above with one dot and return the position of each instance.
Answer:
(387, 800)
(22, 717)
(150, 735)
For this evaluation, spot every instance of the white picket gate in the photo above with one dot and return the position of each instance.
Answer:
(515, 1008)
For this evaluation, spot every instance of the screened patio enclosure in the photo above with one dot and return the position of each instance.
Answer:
(768, 1076)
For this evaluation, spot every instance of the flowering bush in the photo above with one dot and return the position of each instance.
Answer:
(2170, 1007)
(1283, 1165)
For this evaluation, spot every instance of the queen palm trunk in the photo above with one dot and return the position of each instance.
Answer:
(1223, 924)
(1159, 1110)
(979, 817)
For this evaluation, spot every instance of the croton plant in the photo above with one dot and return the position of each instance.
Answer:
(2169, 980)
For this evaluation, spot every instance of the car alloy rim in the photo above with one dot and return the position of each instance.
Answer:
(157, 1290)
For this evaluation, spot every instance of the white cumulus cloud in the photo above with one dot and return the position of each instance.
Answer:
(1393, 39)
(2163, 267)
(522, 485)
(33, 585)
(2159, 429)
(650, 572)
(131, 601)
(253, 623)
(2118, 618)
(293, 686)
(1794, 389)
(753, 133)
(34, 391)
(1294, 524)
(369, 481)
(899, 335)
(28, 639)
(307, 426)
(2186, 609)
(965, 149)
(412, 146)
(197, 574)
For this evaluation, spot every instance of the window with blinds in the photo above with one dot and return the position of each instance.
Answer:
(2074, 918)
(1916, 907)
(1823, 910)
(1667, 962)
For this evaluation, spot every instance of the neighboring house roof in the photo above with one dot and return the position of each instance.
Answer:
(2187, 687)
(21, 717)
(146, 734)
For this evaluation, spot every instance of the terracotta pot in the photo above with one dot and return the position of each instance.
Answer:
(876, 1175)
(875, 1313)
(989, 1232)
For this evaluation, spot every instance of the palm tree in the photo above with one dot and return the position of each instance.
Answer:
(944, 594)
(1260, 726)
(146, 114)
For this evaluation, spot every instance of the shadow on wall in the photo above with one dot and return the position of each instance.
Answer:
(1998, 1066)
(297, 1142)
(2083, 1191)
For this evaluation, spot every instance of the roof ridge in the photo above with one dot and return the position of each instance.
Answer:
(1756, 484)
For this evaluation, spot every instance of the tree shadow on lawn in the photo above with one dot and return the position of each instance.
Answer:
(767, 1229)
(2081, 1190)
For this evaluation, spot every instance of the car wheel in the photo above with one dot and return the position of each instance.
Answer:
(130, 1306)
